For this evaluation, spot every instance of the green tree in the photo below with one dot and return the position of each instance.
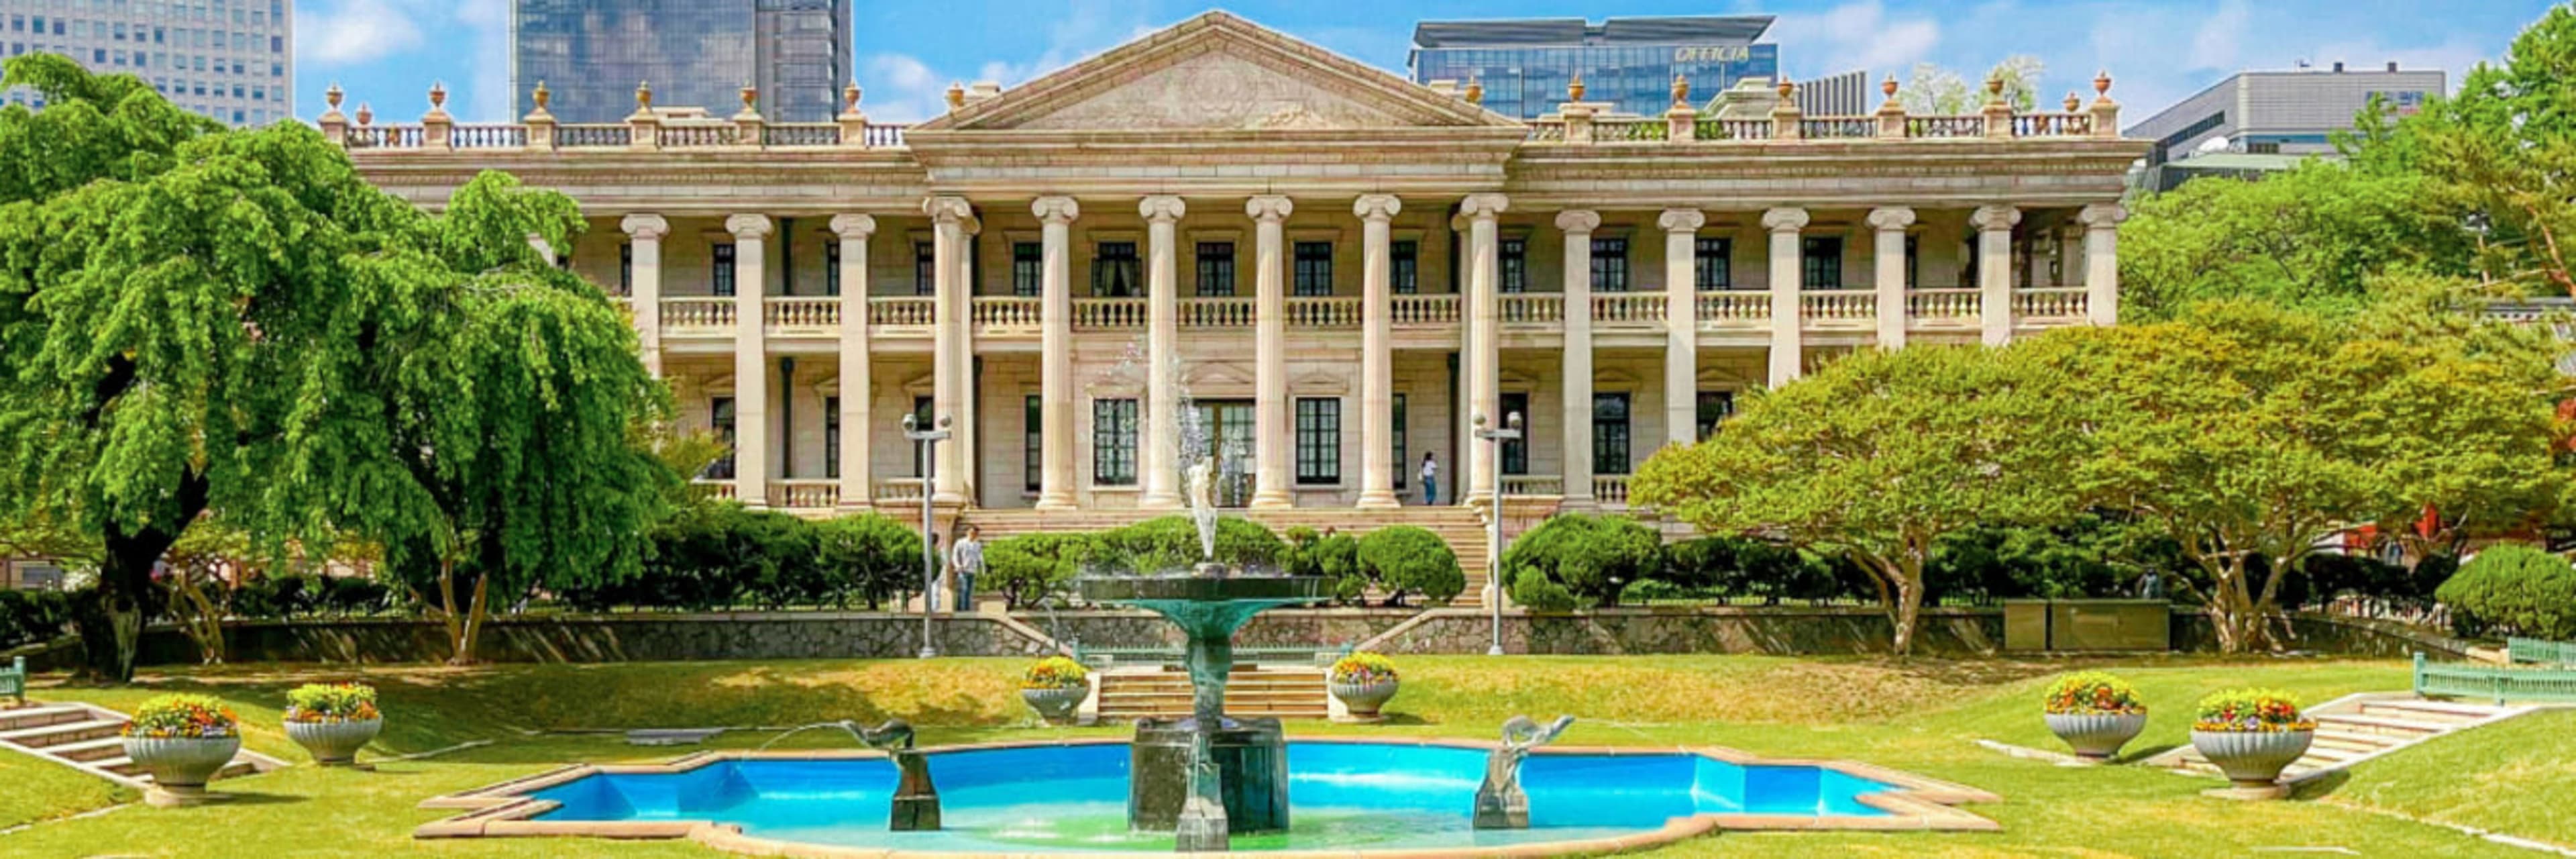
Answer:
(1934, 90)
(2248, 435)
(2514, 590)
(1411, 559)
(1590, 558)
(1028, 568)
(2506, 145)
(2311, 237)
(872, 557)
(1876, 458)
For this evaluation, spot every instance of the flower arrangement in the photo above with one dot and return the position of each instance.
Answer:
(1363, 668)
(332, 702)
(2093, 692)
(1055, 672)
(183, 716)
(2251, 711)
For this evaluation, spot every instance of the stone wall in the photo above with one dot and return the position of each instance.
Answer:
(615, 638)
(1769, 630)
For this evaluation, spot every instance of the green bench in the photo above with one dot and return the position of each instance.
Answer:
(2533, 651)
(13, 682)
(2495, 683)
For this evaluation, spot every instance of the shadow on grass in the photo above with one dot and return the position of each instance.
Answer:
(2322, 786)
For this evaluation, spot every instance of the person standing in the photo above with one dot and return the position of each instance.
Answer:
(1430, 474)
(965, 562)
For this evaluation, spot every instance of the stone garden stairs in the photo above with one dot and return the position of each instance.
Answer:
(84, 737)
(2357, 728)
(1164, 693)
(1462, 527)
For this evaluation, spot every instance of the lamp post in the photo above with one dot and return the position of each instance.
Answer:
(1511, 431)
(929, 441)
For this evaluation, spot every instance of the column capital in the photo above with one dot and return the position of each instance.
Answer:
(1161, 208)
(1995, 217)
(1682, 220)
(1484, 206)
(1056, 210)
(645, 227)
(970, 225)
(854, 226)
(1376, 207)
(1784, 220)
(2103, 216)
(748, 227)
(1891, 218)
(1578, 220)
(1268, 207)
(947, 210)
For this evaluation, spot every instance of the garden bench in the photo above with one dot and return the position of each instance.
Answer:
(13, 682)
(2533, 651)
(2499, 684)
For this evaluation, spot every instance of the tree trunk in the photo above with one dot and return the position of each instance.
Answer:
(125, 591)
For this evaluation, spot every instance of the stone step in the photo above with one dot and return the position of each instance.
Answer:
(63, 732)
(2430, 711)
(89, 750)
(2355, 742)
(2381, 724)
(41, 715)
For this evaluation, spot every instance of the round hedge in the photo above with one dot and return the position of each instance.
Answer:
(2513, 590)
(1409, 559)
(1590, 558)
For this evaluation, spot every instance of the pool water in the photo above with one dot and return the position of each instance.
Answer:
(1341, 795)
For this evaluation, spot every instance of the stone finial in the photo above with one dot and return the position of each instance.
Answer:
(643, 96)
(1787, 89)
(2072, 103)
(1574, 88)
(1681, 90)
(1888, 87)
(542, 96)
(366, 115)
(956, 95)
(2102, 83)
(750, 98)
(1475, 91)
(438, 95)
(1994, 89)
(333, 95)
(850, 99)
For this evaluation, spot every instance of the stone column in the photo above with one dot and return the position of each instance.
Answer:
(644, 234)
(750, 361)
(1681, 324)
(1162, 456)
(1787, 334)
(1995, 270)
(1055, 352)
(2101, 261)
(856, 381)
(948, 217)
(967, 435)
(1377, 357)
(1271, 439)
(1484, 281)
(1888, 267)
(1578, 226)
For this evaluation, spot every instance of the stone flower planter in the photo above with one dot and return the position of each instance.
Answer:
(2097, 736)
(1363, 699)
(182, 765)
(2252, 759)
(334, 742)
(1057, 704)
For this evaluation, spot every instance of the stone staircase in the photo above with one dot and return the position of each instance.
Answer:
(1164, 693)
(1462, 527)
(85, 737)
(2357, 728)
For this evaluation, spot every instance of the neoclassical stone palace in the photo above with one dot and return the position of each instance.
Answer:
(1218, 239)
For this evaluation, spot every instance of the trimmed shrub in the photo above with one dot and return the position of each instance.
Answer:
(32, 616)
(1172, 543)
(1590, 557)
(869, 558)
(1536, 592)
(1409, 559)
(1332, 556)
(1027, 568)
(2513, 590)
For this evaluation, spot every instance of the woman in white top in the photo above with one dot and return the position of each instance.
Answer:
(1430, 474)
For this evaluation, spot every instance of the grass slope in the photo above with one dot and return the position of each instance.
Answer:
(42, 790)
(1922, 717)
(2515, 777)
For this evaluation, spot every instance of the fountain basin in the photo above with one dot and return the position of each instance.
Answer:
(1071, 798)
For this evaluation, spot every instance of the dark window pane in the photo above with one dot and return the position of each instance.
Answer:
(1404, 268)
(1028, 261)
(723, 269)
(1516, 451)
(1396, 420)
(832, 268)
(1821, 258)
(626, 270)
(1610, 265)
(1033, 446)
(925, 265)
(1314, 269)
(1114, 271)
(1609, 433)
(1714, 407)
(1319, 440)
(1712, 263)
(921, 418)
(1514, 261)
(832, 437)
(1216, 269)
(720, 418)
(1113, 442)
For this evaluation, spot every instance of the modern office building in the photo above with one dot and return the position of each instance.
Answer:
(1218, 245)
(1851, 93)
(1526, 64)
(232, 60)
(592, 54)
(2287, 113)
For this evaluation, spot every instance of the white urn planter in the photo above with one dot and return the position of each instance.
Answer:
(1056, 704)
(181, 766)
(1362, 700)
(2096, 736)
(2252, 759)
(335, 742)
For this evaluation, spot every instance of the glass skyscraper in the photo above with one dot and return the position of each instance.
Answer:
(226, 59)
(591, 54)
(1525, 64)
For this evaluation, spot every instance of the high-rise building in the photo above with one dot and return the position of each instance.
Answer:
(226, 59)
(592, 54)
(1525, 64)
(2254, 122)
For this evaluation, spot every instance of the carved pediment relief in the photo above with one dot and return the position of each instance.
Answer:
(1214, 90)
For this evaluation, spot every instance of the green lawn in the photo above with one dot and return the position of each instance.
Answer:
(1923, 717)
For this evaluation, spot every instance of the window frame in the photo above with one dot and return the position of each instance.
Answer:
(1113, 441)
(1512, 259)
(1028, 269)
(925, 268)
(721, 270)
(1613, 434)
(1820, 262)
(1212, 265)
(1713, 263)
(1111, 262)
(1318, 440)
(1609, 263)
(1404, 267)
(1311, 274)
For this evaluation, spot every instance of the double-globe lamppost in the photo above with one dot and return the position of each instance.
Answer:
(1510, 432)
(929, 441)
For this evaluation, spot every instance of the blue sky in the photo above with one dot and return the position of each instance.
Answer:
(387, 52)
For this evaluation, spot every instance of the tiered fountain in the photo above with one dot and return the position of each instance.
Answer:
(1206, 776)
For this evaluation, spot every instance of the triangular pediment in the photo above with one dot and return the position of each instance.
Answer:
(1216, 72)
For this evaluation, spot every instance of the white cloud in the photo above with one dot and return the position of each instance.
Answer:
(901, 88)
(2218, 42)
(487, 91)
(355, 30)
(1856, 35)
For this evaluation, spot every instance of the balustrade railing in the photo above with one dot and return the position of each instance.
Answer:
(721, 489)
(1733, 129)
(902, 311)
(2049, 304)
(1547, 131)
(1105, 314)
(593, 135)
(1833, 127)
(1943, 306)
(1733, 307)
(805, 494)
(897, 489)
(1008, 313)
(699, 313)
(1945, 126)
(1617, 132)
(884, 135)
(385, 136)
(698, 136)
(1532, 485)
(1210, 313)
(801, 134)
(1323, 312)
(1531, 308)
(2052, 125)
(1425, 309)
(1611, 490)
(488, 137)
(1618, 309)
(803, 314)
(1830, 306)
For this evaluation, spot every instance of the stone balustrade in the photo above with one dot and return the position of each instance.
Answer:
(802, 315)
(2050, 305)
(1629, 310)
(1312, 312)
(1733, 308)
(1216, 313)
(718, 488)
(1533, 485)
(902, 312)
(1941, 307)
(1008, 314)
(897, 490)
(1611, 490)
(1829, 308)
(1105, 314)
(1425, 310)
(805, 494)
(1531, 309)
(709, 314)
